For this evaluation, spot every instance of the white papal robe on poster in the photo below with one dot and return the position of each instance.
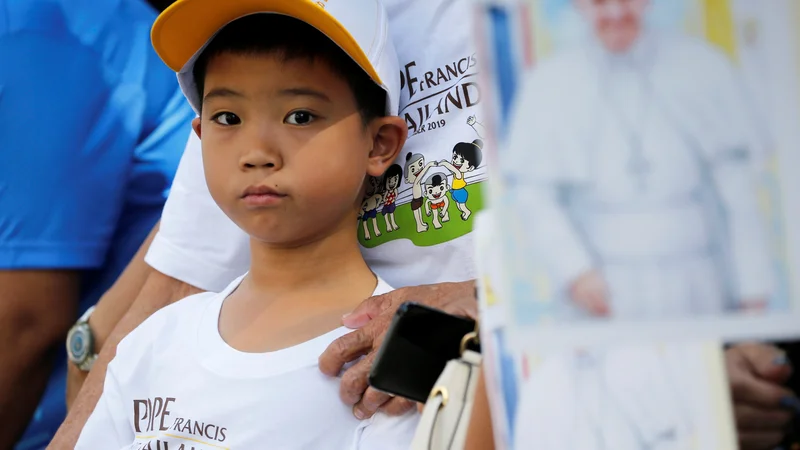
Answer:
(643, 167)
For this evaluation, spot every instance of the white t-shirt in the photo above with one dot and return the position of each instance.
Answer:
(175, 384)
(198, 244)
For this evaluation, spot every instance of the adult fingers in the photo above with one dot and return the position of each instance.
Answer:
(370, 402)
(753, 418)
(756, 392)
(398, 406)
(345, 349)
(767, 361)
(368, 310)
(759, 440)
(356, 380)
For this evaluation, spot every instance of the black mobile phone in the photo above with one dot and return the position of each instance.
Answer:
(417, 346)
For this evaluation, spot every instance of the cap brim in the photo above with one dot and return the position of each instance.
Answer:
(186, 27)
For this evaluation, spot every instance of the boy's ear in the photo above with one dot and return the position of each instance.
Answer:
(196, 126)
(389, 135)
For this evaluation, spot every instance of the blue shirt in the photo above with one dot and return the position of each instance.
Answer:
(92, 126)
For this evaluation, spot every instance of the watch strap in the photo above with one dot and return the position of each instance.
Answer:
(87, 364)
(85, 317)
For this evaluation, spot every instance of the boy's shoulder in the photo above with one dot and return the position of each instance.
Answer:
(169, 319)
(184, 311)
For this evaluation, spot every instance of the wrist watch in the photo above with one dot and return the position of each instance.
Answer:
(80, 343)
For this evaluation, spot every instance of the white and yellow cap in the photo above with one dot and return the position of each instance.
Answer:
(359, 27)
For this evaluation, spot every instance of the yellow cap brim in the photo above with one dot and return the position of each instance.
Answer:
(186, 27)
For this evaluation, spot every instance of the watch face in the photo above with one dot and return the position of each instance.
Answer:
(79, 344)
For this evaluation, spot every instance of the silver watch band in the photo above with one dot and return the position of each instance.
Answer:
(88, 363)
(85, 317)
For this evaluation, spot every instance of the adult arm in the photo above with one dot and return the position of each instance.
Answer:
(36, 310)
(159, 290)
(110, 309)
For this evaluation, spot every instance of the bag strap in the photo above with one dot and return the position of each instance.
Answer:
(436, 401)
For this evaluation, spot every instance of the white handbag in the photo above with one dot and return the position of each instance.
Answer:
(445, 418)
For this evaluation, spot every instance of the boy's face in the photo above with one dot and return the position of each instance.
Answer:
(285, 149)
(415, 168)
(435, 193)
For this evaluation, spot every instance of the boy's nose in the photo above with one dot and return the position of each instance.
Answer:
(258, 158)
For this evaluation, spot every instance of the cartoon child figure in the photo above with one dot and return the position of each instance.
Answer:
(369, 207)
(415, 170)
(435, 191)
(466, 158)
(391, 181)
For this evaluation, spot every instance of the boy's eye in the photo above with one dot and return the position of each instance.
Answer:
(226, 118)
(299, 118)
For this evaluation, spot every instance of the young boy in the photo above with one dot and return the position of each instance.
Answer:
(297, 105)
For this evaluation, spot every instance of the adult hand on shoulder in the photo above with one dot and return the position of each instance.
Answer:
(372, 319)
(762, 405)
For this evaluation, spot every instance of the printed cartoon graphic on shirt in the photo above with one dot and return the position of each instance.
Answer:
(159, 428)
(369, 207)
(391, 181)
(443, 125)
(436, 188)
(466, 158)
(415, 170)
(437, 93)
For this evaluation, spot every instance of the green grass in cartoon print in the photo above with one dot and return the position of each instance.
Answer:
(408, 228)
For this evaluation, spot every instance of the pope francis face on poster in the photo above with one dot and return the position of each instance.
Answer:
(616, 23)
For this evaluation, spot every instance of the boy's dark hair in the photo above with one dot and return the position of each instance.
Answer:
(470, 151)
(292, 39)
(393, 171)
(435, 180)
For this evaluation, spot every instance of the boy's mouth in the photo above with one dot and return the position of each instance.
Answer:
(437, 195)
(260, 196)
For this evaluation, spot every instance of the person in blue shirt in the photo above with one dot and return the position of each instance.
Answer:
(92, 126)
